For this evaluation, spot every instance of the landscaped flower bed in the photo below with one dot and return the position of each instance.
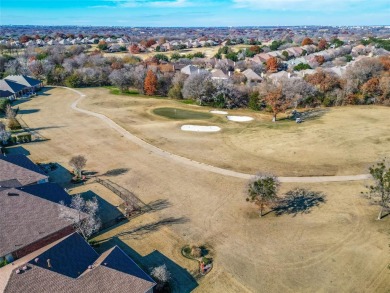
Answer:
(199, 254)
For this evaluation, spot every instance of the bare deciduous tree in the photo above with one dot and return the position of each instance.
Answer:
(83, 215)
(78, 163)
(120, 78)
(4, 134)
(197, 86)
(161, 273)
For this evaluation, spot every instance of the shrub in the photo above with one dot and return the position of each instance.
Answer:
(196, 252)
(3, 104)
(187, 250)
(254, 101)
(301, 66)
(14, 124)
(206, 260)
(23, 137)
(328, 102)
(74, 80)
(3, 263)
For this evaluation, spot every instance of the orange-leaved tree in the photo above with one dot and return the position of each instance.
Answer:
(150, 84)
(307, 41)
(322, 44)
(134, 49)
(272, 64)
(320, 59)
(277, 101)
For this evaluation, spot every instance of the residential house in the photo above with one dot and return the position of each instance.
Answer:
(280, 75)
(251, 76)
(218, 74)
(191, 69)
(71, 265)
(261, 58)
(10, 89)
(31, 84)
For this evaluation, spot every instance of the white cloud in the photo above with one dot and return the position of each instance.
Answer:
(310, 5)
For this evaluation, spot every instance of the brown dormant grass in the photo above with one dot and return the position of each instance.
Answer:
(340, 141)
(336, 247)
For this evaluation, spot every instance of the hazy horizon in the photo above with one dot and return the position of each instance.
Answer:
(189, 13)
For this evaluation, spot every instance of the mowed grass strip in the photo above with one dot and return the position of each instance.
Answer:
(180, 114)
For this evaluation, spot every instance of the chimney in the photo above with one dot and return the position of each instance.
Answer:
(48, 263)
(230, 73)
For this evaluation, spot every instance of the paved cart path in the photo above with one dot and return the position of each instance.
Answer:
(183, 160)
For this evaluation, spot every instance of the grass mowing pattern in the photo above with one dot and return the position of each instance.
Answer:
(180, 114)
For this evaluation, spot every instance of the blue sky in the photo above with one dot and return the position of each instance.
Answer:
(195, 13)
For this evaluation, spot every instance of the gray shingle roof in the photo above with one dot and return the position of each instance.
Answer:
(19, 167)
(25, 80)
(251, 75)
(70, 259)
(11, 86)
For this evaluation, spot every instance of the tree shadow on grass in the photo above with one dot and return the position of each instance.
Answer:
(116, 172)
(159, 204)
(314, 114)
(28, 111)
(299, 201)
(154, 226)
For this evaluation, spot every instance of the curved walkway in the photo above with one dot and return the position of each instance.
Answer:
(199, 165)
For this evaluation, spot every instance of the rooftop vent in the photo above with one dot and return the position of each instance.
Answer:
(12, 194)
(48, 263)
(36, 260)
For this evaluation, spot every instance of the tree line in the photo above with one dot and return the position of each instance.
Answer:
(366, 81)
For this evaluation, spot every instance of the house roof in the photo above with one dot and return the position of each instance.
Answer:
(26, 218)
(76, 267)
(190, 69)
(5, 93)
(218, 74)
(279, 75)
(251, 75)
(11, 183)
(20, 167)
(24, 80)
(10, 86)
(49, 191)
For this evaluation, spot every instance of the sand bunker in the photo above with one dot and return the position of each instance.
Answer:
(198, 128)
(239, 118)
(219, 112)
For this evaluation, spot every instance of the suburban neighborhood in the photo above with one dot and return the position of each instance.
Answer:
(194, 146)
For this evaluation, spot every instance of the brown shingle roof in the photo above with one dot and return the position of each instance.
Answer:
(113, 271)
(19, 167)
(25, 219)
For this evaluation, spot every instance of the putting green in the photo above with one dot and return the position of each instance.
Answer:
(180, 114)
